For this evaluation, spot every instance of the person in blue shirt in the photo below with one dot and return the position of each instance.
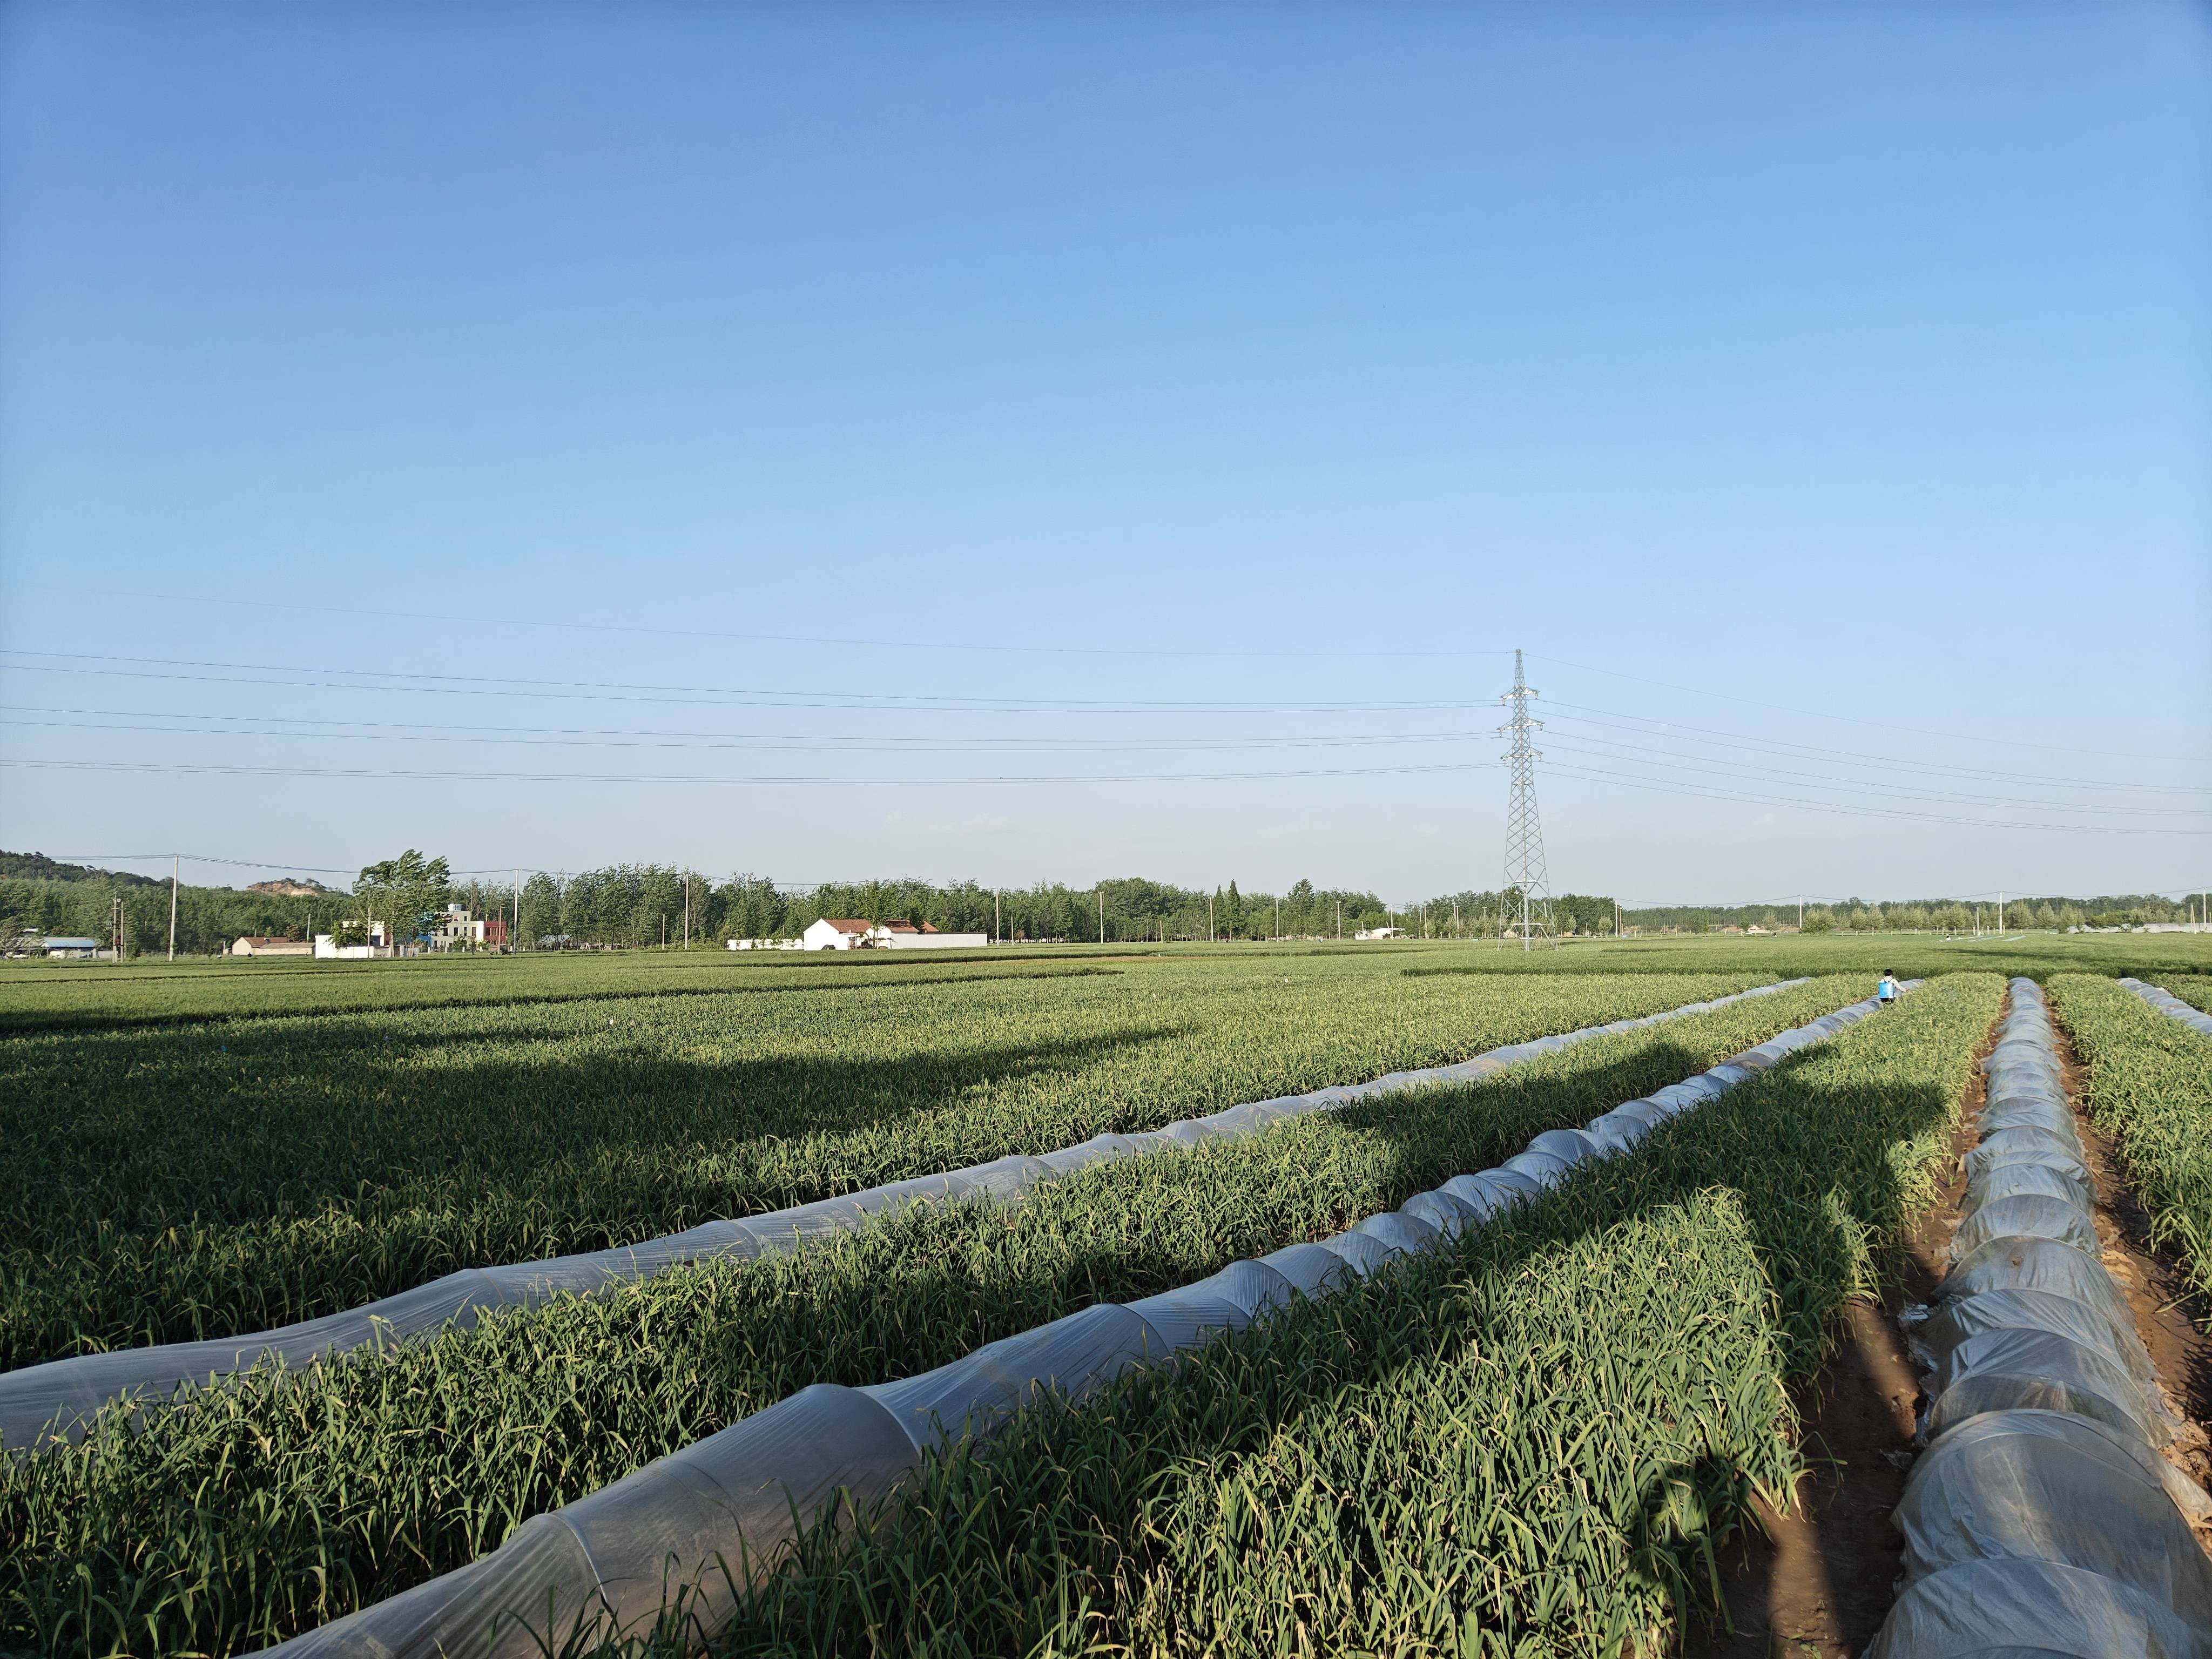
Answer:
(1886, 992)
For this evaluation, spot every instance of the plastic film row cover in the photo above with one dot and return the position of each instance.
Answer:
(700, 1522)
(2171, 1005)
(2042, 1514)
(42, 1401)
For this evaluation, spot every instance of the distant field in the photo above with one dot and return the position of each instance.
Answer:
(38, 996)
(171, 1181)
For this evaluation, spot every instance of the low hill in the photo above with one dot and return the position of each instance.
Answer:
(37, 867)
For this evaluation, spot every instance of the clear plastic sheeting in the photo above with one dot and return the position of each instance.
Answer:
(2042, 1516)
(1966, 1316)
(2039, 1605)
(44, 1402)
(2171, 1005)
(703, 1521)
(2049, 1487)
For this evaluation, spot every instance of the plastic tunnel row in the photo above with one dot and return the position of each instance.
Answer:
(2171, 1005)
(694, 1526)
(48, 1401)
(2042, 1514)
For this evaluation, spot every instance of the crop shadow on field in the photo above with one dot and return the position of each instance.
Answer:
(700, 1108)
(608, 1173)
(1806, 1255)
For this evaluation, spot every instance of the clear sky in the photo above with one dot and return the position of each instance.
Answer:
(1058, 441)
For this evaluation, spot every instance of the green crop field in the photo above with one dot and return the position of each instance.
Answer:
(167, 1182)
(2150, 1085)
(40, 996)
(253, 1511)
(1536, 1440)
(215, 1149)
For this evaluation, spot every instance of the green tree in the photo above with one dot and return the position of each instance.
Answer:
(404, 893)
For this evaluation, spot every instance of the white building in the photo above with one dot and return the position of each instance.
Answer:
(328, 950)
(1380, 932)
(257, 944)
(455, 929)
(851, 934)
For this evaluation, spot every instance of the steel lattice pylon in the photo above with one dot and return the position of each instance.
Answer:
(1524, 831)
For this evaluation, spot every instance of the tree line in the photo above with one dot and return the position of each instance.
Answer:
(633, 905)
(2024, 913)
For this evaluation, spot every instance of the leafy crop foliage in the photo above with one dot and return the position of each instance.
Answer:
(2150, 1084)
(245, 1514)
(170, 1183)
(1535, 1441)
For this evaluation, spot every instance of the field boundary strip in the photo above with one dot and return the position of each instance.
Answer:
(46, 1402)
(2171, 1005)
(2042, 1514)
(689, 1528)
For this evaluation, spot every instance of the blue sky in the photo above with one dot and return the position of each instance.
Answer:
(517, 431)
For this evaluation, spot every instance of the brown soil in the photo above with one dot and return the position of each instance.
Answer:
(1821, 1582)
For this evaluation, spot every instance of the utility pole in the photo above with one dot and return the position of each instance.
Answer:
(2000, 910)
(998, 927)
(176, 860)
(1339, 918)
(687, 909)
(1524, 831)
(1101, 912)
(1279, 916)
(1209, 918)
(1801, 912)
(514, 939)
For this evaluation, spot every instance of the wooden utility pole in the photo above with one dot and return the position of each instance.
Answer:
(687, 909)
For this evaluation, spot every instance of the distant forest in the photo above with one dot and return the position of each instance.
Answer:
(638, 905)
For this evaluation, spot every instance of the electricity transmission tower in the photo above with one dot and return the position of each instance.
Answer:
(1524, 832)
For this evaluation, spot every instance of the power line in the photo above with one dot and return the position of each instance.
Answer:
(801, 639)
(1627, 782)
(1784, 747)
(372, 679)
(1848, 720)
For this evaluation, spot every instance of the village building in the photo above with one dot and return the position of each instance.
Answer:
(256, 945)
(853, 933)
